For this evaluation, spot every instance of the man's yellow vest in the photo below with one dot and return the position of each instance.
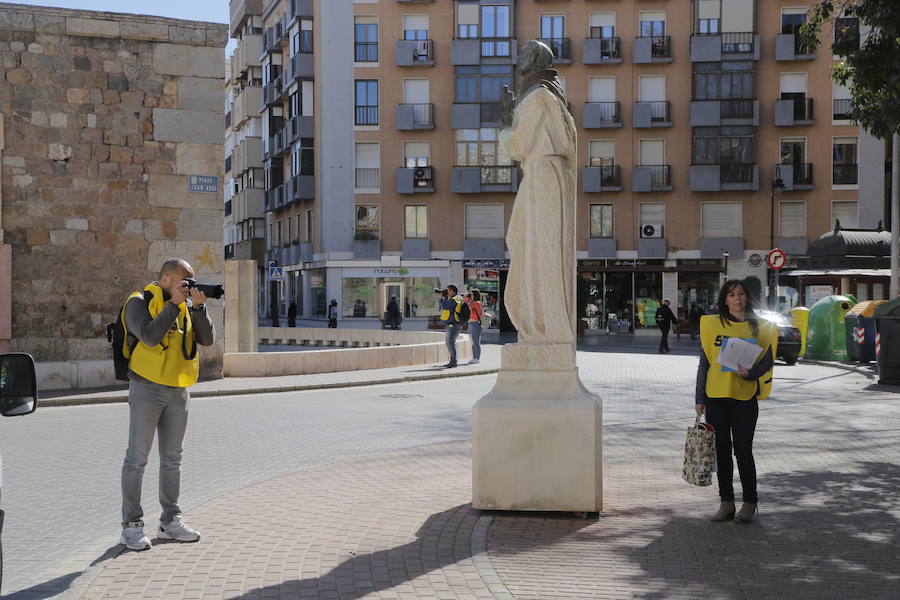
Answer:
(445, 313)
(721, 383)
(166, 363)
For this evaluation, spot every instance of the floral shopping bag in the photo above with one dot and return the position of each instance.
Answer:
(699, 453)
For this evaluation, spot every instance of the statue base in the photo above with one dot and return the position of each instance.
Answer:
(536, 439)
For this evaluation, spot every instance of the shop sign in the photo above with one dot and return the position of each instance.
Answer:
(621, 262)
(389, 272)
(486, 280)
(814, 293)
(754, 259)
(486, 264)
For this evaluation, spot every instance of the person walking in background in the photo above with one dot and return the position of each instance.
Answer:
(694, 319)
(393, 313)
(292, 315)
(332, 314)
(729, 397)
(476, 311)
(665, 318)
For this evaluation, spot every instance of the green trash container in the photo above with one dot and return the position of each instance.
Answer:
(887, 327)
(827, 339)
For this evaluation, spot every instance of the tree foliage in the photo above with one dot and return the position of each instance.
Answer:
(871, 66)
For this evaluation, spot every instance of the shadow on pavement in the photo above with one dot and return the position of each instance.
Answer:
(820, 535)
(58, 585)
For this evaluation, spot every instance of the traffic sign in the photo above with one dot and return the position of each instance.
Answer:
(276, 273)
(776, 259)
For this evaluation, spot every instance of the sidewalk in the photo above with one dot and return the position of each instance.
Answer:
(399, 525)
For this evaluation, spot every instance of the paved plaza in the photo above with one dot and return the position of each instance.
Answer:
(363, 492)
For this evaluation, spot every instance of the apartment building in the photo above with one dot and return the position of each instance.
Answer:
(707, 136)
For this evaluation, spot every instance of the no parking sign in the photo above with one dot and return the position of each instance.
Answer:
(776, 259)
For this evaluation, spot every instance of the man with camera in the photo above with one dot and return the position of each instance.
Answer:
(169, 319)
(451, 303)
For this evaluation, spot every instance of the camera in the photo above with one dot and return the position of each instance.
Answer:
(438, 291)
(212, 290)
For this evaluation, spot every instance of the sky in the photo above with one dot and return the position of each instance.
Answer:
(195, 10)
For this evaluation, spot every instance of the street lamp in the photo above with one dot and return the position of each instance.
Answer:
(777, 186)
(725, 260)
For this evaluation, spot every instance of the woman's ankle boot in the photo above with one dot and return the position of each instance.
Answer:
(745, 515)
(725, 512)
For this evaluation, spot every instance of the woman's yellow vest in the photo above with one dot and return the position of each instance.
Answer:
(166, 363)
(721, 383)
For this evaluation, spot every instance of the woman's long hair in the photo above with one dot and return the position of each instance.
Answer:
(749, 314)
(476, 295)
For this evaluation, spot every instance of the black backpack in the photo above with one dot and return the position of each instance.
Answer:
(463, 313)
(660, 317)
(117, 338)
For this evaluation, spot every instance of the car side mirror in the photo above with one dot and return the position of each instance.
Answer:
(18, 385)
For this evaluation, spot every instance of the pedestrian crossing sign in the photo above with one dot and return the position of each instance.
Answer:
(276, 273)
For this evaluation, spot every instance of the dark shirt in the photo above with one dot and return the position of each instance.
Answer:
(668, 317)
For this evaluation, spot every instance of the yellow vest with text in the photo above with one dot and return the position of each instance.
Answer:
(165, 362)
(726, 384)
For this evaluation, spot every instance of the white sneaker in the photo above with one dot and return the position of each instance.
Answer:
(178, 530)
(133, 536)
(474, 361)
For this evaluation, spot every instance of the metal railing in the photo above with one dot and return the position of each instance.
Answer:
(803, 174)
(366, 115)
(496, 46)
(497, 175)
(659, 111)
(660, 46)
(609, 111)
(803, 109)
(736, 172)
(610, 47)
(736, 109)
(841, 110)
(423, 114)
(845, 174)
(365, 52)
(561, 47)
(423, 52)
(800, 48)
(610, 175)
(660, 176)
(737, 42)
(368, 178)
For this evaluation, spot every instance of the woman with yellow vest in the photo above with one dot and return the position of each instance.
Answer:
(729, 397)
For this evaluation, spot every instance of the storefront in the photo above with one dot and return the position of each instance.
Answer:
(489, 277)
(366, 292)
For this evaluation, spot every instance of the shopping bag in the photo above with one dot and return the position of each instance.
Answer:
(699, 451)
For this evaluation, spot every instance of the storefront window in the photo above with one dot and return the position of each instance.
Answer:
(590, 299)
(317, 292)
(618, 304)
(647, 298)
(700, 289)
(358, 297)
(369, 296)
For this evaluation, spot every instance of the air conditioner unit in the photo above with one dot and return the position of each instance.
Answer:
(423, 173)
(651, 230)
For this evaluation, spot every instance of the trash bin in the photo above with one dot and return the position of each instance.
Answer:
(887, 328)
(827, 339)
(859, 326)
(800, 320)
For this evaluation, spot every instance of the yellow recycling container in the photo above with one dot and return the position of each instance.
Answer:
(800, 319)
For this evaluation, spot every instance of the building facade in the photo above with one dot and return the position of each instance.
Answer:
(112, 163)
(707, 136)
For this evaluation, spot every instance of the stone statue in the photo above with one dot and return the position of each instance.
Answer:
(540, 133)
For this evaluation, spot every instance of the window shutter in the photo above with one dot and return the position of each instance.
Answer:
(708, 9)
(653, 15)
(415, 91)
(467, 14)
(603, 19)
(484, 222)
(793, 219)
(721, 219)
(653, 152)
(793, 83)
(653, 88)
(847, 213)
(603, 149)
(653, 212)
(415, 150)
(602, 89)
(415, 22)
(367, 156)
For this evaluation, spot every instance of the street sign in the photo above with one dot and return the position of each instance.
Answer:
(276, 273)
(754, 259)
(203, 183)
(776, 259)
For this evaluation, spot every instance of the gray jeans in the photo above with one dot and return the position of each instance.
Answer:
(154, 408)
(452, 330)
(475, 334)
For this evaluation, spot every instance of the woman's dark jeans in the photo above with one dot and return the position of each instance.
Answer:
(735, 423)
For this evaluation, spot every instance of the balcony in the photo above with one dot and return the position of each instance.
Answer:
(603, 178)
(247, 204)
(252, 249)
(416, 249)
(246, 55)
(365, 52)
(473, 115)
(651, 114)
(415, 180)
(301, 67)
(477, 179)
(247, 155)
(562, 50)
(652, 49)
(652, 178)
(366, 245)
(271, 95)
(299, 8)
(483, 51)
(414, 53)
(724, 47)
(794, 111)
(273, 198)
(268, 43)
(414, 116)
(239, 10)
(301, 187)
(788, 47)
(602, 51)
(246, 105)
(724, 176)
(728, 111)
(797, 176)
(600, 115)
(300, 127)
(366, 115)
(845, 174)
(278, 143)
(840, 110)
(368, 179)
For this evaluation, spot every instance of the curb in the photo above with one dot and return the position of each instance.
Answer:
(123, 397)
(868, 372)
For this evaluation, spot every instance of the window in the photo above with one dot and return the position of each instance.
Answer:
(480, 148)
(416, 222)
(602, 89)
(415, 91)
(495, 28)
(652, 89)
(846, 34)
(415, 27)
(280, 232)
(792, 219)
(466, 20)
(602, 153)
(654, 214)
(303, 158)
(368, 166)
(652, 152)
(553, 33)
(365, 35)
(720, 219)
(841, 102)
(367, 219)
(847, 213)
(711, 82)
(302, 40)
(653, 23)
(708, 17)
(484, 222)
(603, 25)
(724, 145)
(366, 102)
(309, 226)
(601, 220)
(290, 229)
(416, 154)
(844, 167)
(792, 19)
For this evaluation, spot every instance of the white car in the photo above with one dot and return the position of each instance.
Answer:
(18, 397)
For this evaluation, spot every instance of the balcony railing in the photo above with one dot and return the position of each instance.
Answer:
(608, 111)
(423, 114)
(610, 47)
(561, 47)
(737, 42)
(496, 46)
(803, 174)
(736, 109)
(660, 46)
(845, 174)
(368, 178)
(610, 175)
(365, 52)
(366, 115)
(801, 49)
(660, 176)
(803, 109)
(660, 111)
(736, 172)
(497, 175)
(841, 110)
(423, 51)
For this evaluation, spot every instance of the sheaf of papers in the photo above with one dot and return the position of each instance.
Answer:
(738, 353)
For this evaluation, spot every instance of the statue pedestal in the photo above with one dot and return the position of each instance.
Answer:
(536, 439)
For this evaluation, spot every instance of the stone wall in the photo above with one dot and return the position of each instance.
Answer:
(106, 115)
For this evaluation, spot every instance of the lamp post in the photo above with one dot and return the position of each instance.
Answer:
(777, 186)
(725, 255)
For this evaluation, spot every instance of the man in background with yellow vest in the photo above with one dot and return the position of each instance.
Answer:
(168, 319)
